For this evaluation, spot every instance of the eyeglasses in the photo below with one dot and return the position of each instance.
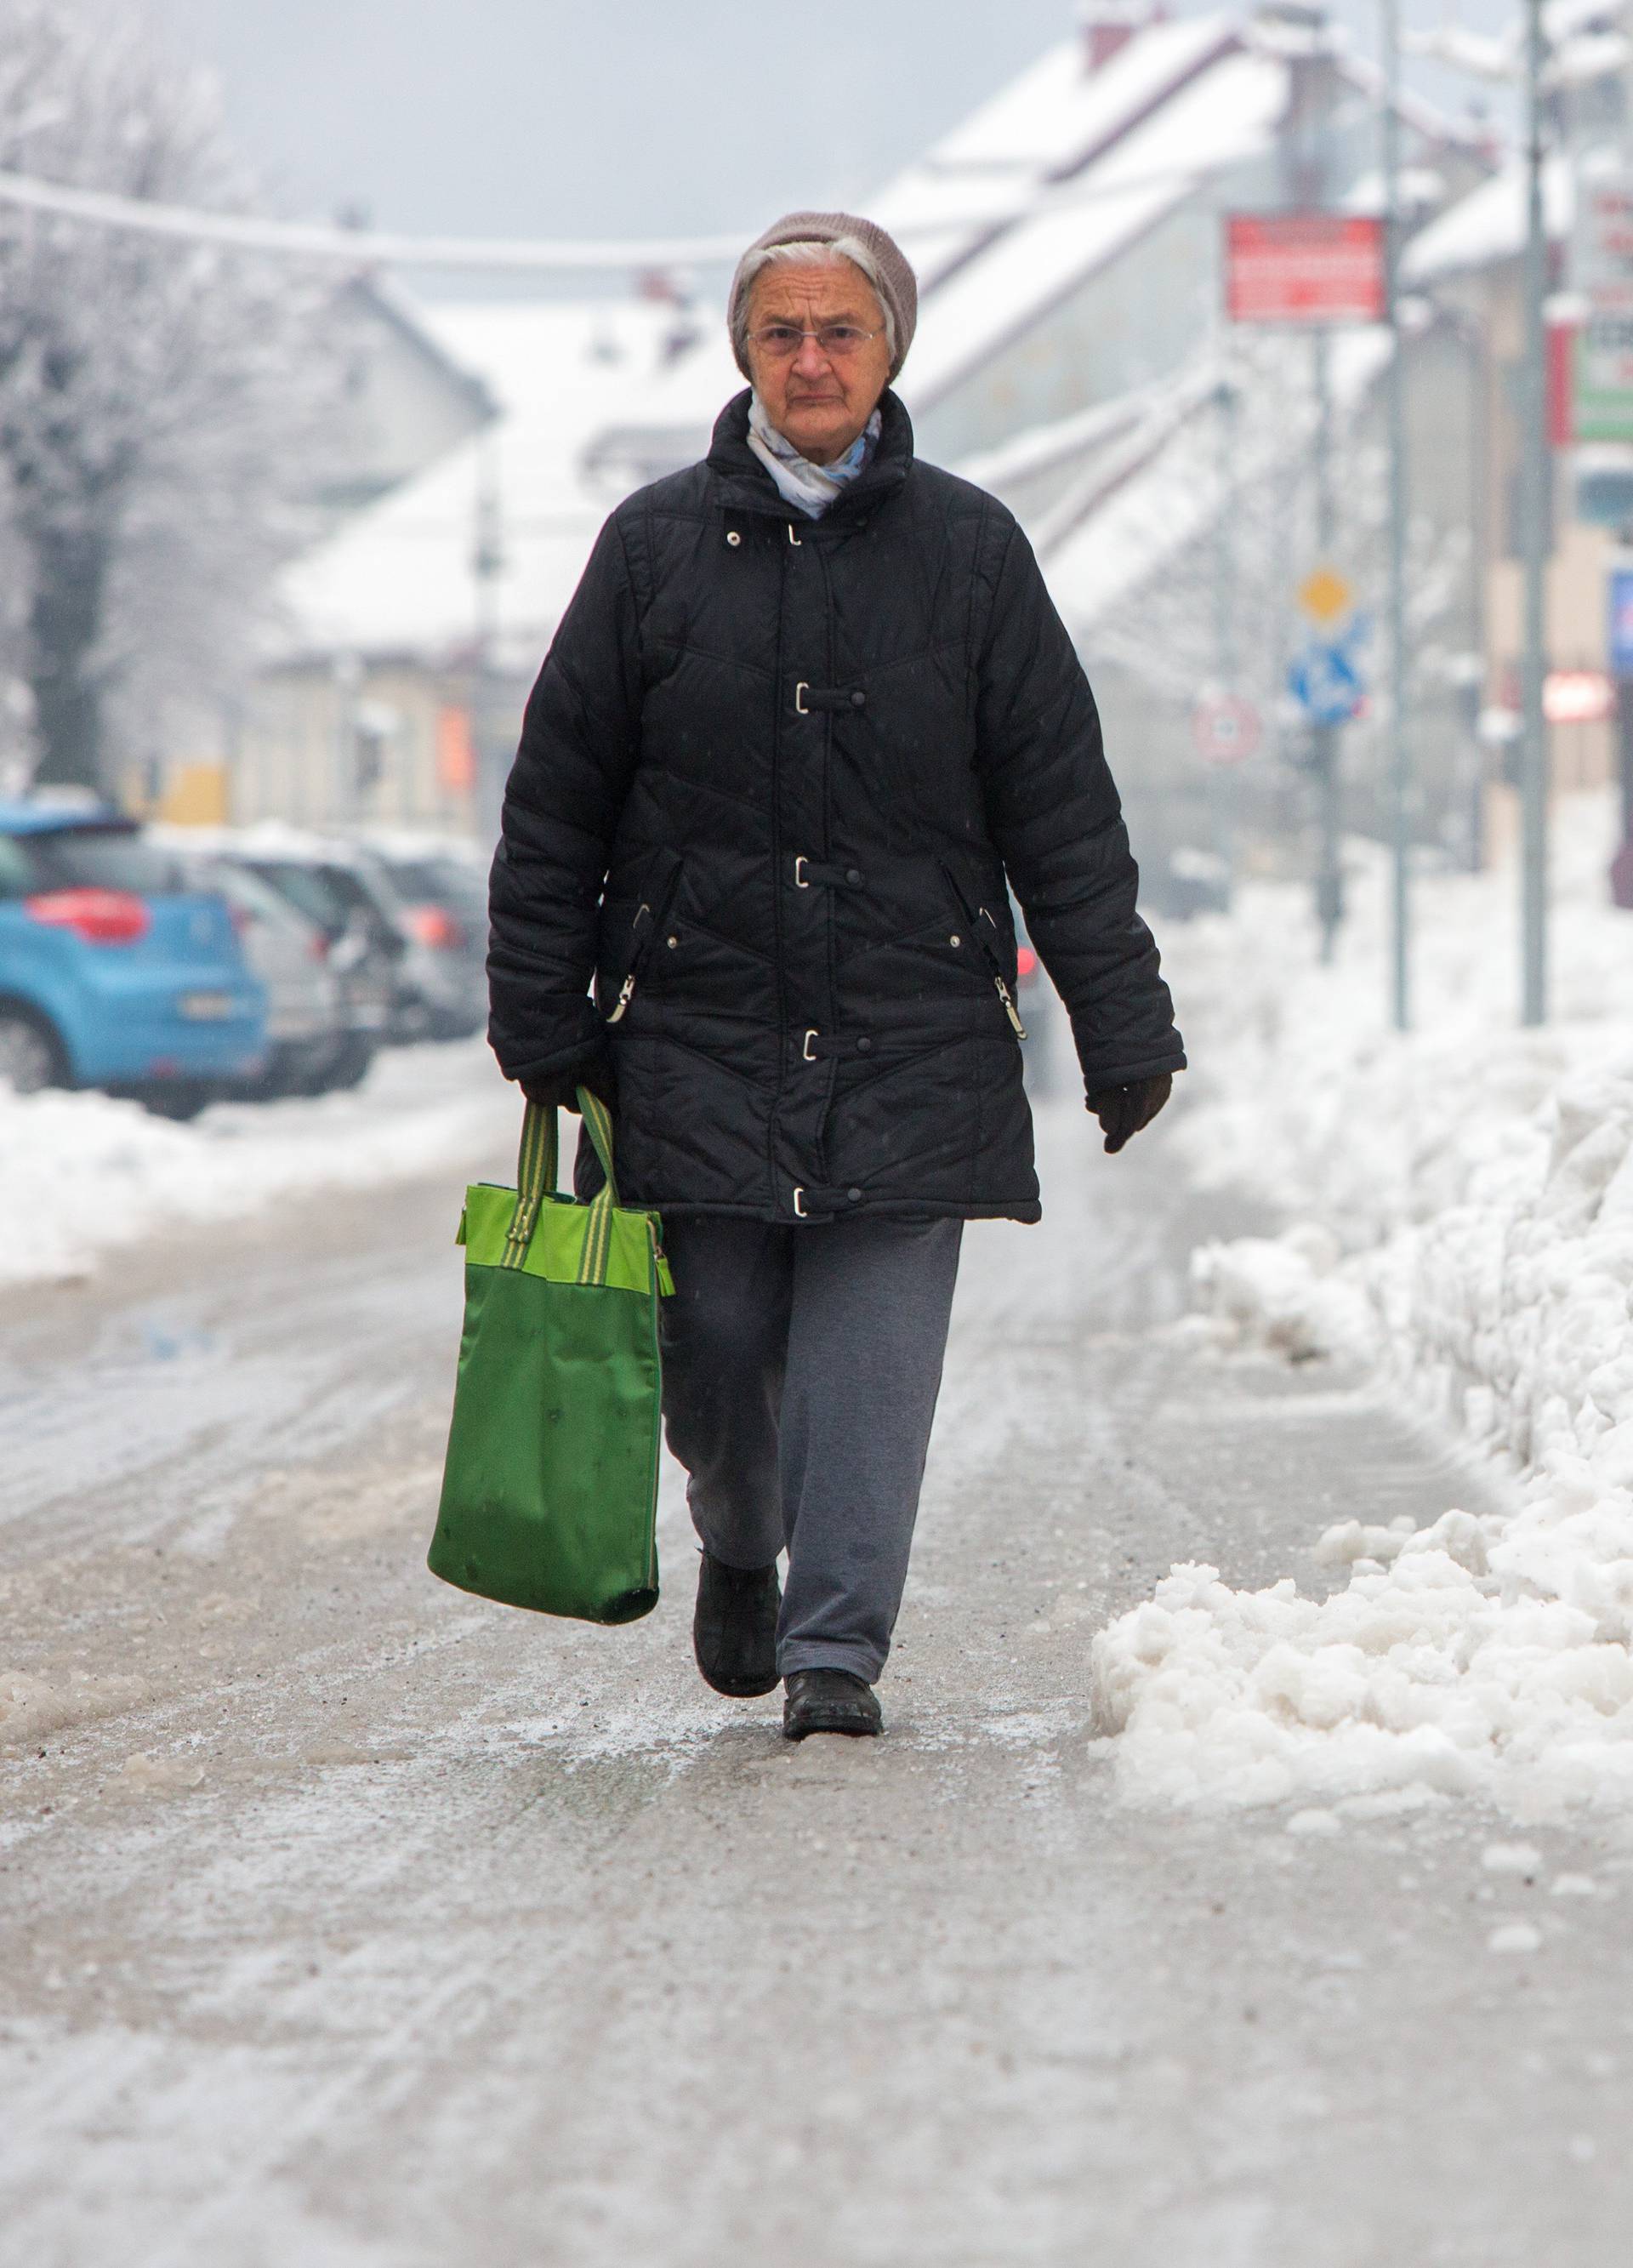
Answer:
(779, 341)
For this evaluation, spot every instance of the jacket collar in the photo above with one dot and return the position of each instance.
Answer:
(748, 487)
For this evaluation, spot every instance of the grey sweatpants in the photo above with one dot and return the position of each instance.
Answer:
(801, 1367)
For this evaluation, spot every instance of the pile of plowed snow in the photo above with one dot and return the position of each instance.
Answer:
(1463, 1201)
(82, 1174)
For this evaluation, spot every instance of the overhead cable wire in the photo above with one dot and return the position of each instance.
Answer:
(1037, 197)
(362, 247)
(354, 247)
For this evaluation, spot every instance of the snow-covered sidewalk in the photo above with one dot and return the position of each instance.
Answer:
(1462, 1201)
(81, 1175)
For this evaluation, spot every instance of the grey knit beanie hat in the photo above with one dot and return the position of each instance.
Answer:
(898, 287)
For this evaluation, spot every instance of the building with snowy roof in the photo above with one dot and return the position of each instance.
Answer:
(1067, 237)
(1466, 266)
(410, 399)
(1176, 527)
(1141, 525)
(409, 633)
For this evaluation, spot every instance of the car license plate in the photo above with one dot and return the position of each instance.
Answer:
(207, 1008)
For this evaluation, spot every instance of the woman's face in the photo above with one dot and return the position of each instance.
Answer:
(819, 402)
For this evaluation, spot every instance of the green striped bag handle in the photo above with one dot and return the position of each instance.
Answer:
(535, 1181)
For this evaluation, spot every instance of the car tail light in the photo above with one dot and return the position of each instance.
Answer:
(434, 925)
(1026, 962)
(100, 916)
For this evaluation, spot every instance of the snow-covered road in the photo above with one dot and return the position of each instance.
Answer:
(348, 1923)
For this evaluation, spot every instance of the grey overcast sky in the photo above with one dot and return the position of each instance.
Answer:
(563, 117)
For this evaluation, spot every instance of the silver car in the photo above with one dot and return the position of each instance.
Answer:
(441, 889)
(307, 1010)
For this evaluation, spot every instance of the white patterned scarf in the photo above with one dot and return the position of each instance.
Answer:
(811, 488)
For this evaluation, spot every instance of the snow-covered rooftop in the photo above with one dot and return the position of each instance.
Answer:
(1045, 449)
(1048, 123)
(401, 577)
(1032, 192)
(1060, 174)
(1489, 225)
(1225, 117)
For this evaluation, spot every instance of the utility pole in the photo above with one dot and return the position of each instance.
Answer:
(1400, 748)
(1306, 168)
(491, 748)
(1535, 469)
(344, 800)
(1221, 794)
(1324, 739)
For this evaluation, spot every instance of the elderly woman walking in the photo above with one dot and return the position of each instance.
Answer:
(809, 715)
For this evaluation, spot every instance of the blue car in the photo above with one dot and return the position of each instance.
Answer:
(113, 973)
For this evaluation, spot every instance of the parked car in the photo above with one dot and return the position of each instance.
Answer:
(114, 972)
(365, 946)
(307, 1021)
(442, 899)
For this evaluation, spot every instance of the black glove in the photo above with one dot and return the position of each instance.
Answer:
(558, 1090)
(1123, 1110)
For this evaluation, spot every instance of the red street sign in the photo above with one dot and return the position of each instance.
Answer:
(1303, 267)
(1225, 728)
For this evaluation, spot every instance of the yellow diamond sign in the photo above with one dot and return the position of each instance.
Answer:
(1325, 595)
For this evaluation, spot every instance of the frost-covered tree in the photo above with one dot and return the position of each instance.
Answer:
(161, 402)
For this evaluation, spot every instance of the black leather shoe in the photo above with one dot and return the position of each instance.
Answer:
(734, 1628)
(829, 1701)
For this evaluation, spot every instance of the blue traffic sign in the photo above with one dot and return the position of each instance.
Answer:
(1326, 683)
(1621, 623)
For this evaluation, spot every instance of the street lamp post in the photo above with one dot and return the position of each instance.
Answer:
(1400, 758)
(1534, 473)
(1220, 790)
(486, 567)
(1325, 737)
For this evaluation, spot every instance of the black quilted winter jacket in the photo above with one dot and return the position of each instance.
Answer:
(771, 779)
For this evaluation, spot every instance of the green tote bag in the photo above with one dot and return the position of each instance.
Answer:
(549, 1492)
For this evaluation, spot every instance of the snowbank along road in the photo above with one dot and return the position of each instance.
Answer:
(348, 1920)
(1462, 1203)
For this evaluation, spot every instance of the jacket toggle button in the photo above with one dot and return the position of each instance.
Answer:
(853, 1196)
(858, 700)
(732, 537)
(955, 938)
(865, 1047)
(853, 875)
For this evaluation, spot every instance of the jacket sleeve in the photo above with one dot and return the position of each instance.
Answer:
(579, 740)
(1056, 818)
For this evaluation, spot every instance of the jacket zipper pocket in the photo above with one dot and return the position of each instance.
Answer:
(975, 916)
(657, 915)
(1004, 994)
